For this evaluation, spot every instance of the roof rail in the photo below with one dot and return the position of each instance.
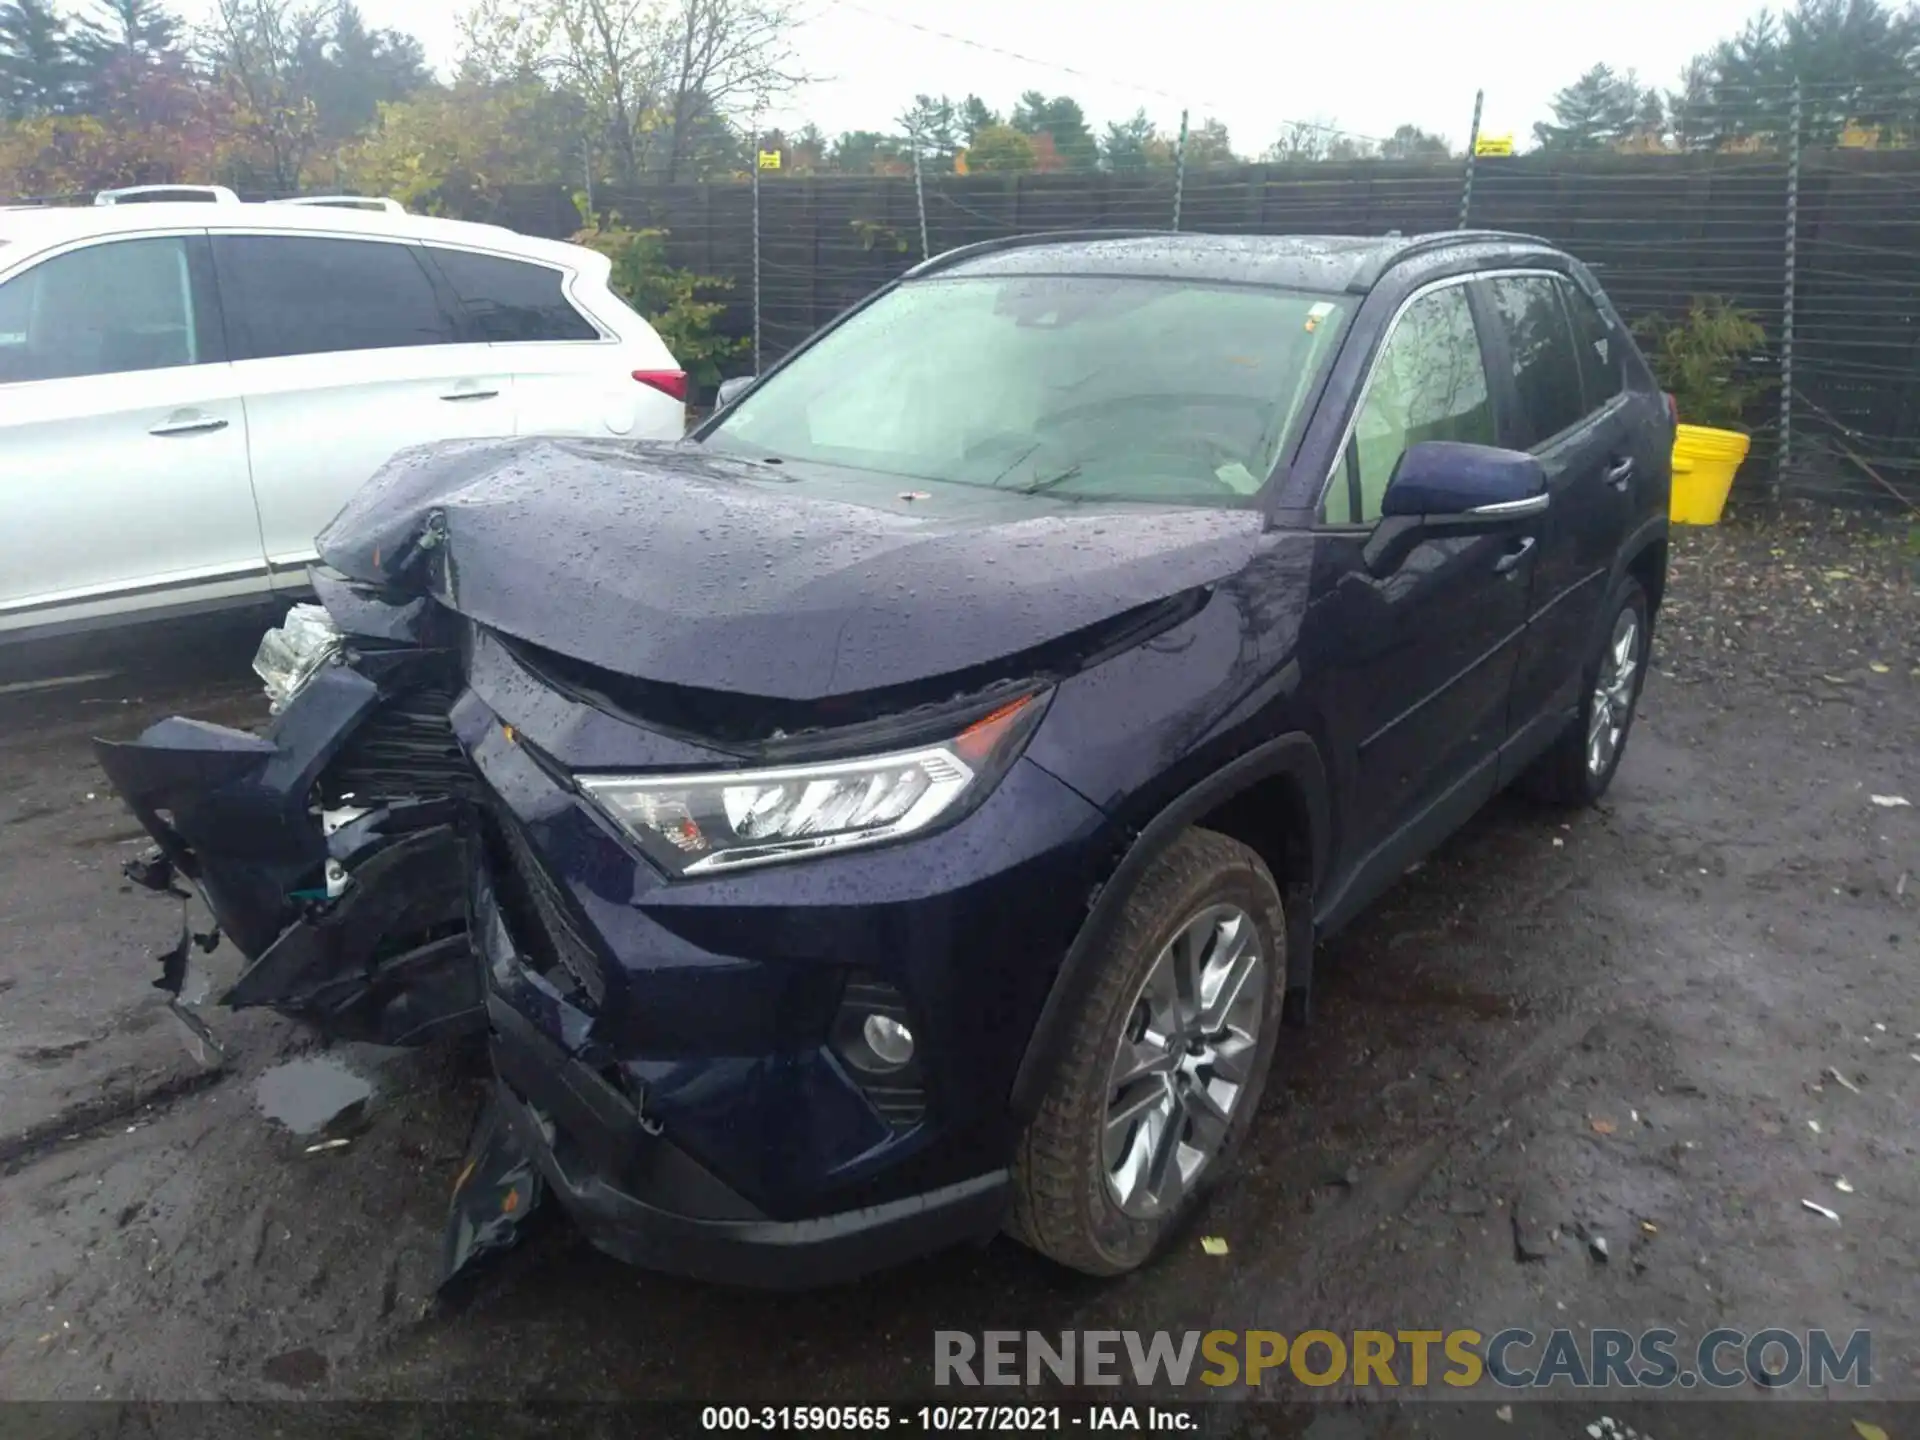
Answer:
(347, 202)
(1019, 242)
(150, 194)
(1369, 275)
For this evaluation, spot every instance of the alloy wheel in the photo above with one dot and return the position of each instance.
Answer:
(1183, 1061)
(1613, 693)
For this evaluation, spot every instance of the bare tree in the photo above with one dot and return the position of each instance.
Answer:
(610, 53)
(259, 48)
(727, 56)
(656, 74)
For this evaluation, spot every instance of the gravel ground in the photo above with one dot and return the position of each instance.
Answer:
(1624, 1024)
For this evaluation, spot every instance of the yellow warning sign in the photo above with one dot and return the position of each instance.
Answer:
(769, 159)
(1493, 145)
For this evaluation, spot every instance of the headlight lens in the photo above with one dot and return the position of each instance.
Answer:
(705, 823)
(292, 654)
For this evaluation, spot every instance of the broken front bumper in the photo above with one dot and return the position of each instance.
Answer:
(394, 863)
(642, 1199)
(342, 891)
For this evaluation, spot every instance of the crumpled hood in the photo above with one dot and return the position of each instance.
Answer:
(676, 565)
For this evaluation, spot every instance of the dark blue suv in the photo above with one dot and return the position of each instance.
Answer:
(907, 808)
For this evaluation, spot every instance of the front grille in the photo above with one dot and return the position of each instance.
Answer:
(539, 916)
(404, 750)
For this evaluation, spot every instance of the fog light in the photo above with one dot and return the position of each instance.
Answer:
(890, 1041)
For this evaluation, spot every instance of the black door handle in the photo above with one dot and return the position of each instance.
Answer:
(1510, 562)
(1620, 472)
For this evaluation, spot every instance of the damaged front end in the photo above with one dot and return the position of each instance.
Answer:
(330, 849)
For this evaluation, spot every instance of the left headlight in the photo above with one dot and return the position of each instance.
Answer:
(699, 824)
(292, 653)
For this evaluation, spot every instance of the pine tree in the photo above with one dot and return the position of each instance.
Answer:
(1596, 112)
(933, 123)
(113, 55)
(1127, 144)
(39, 74)
(1063, 122)
(975, 116)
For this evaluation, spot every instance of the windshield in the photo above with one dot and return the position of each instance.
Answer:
(1080, 386)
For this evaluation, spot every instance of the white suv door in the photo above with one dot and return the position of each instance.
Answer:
(123, 460)
(346, 349)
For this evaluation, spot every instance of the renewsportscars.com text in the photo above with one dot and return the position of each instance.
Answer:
(1512, 1358)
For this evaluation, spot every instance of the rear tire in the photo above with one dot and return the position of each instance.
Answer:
(1581, 765)
(1164, 1065)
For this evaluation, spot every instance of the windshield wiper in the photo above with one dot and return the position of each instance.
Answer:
(1047, 482)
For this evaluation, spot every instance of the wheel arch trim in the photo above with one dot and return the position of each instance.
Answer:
(1293, 756)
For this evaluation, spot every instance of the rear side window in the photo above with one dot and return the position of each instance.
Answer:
(307, 295)
(512, 299)
(1600, 368)
(102, 310)
(1546, 369)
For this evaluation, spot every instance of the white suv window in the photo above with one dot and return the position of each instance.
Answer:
(314, 295)
(511, 300)
(102, 310)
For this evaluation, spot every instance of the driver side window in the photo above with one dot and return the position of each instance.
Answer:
(1430, 384)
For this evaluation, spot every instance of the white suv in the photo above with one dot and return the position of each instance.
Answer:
(190, 391)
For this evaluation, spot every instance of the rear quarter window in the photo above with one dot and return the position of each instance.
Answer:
(509, 300)
(1601, 370)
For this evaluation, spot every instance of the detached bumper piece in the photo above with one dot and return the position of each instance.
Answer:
(643, 1200)
(354, 923)
(498, 1190)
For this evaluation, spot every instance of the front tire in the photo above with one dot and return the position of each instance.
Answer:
(1165, 1063)
(1581, 764)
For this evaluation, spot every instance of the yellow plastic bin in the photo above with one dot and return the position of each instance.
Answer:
(1704, 462)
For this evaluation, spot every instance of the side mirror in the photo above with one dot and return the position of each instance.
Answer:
(1441, 487)
(1446, 482)
(731, 390)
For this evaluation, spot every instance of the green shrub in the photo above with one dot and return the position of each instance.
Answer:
(1701, 360)
(669, 298)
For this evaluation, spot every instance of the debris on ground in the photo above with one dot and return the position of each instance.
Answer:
(1819, 1209)
(1213, 1244)
(496, 1193)
(1534, 1238)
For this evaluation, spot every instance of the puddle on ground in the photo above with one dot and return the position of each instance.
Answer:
(296, 1369)
(307, 1095)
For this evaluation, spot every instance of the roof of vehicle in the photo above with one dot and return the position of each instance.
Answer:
(1324, 263)
(40, 226)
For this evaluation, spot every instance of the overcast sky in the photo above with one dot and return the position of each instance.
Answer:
(1366, 65)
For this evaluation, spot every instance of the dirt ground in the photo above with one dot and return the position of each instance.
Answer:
(1623, 1025)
